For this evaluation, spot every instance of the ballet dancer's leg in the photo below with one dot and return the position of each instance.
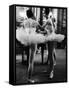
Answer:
(50, 59)
(42, 52)
(54, 56)
(31, 62)
(28, 56)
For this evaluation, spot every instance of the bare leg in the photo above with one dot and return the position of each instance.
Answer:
(52, 67)
(54, 56)
(31, 62)
(27, 56)
(23, 57)
(50, 58)
(42, 52)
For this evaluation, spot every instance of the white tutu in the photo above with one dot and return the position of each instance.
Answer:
(21, 36)
(35, 38)
(55, 37)
(27, 39)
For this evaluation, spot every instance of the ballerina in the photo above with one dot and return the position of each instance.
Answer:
(27, 35)
(49, 27)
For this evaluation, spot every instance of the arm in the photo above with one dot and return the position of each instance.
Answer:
(40, 29)
(43, 32)
(44, 25)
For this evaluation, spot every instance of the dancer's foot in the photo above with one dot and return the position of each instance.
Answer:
(51, 74)
(31, 81)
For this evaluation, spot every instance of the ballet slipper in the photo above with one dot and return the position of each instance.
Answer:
(51, 74)
(31, 81)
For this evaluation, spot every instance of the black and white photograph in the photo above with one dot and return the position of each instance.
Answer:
(40, 48)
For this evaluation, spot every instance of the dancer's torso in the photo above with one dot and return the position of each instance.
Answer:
(22, 34)
(30, 26)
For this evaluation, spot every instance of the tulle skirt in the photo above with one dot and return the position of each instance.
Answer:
(35, 38)
(55, 37)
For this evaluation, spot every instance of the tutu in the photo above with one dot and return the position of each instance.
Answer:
(55, 37)
(21, 36)
(35, 38)
(27, 39)
(52, 36)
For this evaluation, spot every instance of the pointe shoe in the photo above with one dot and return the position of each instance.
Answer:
(51, 74)
(31, 81)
